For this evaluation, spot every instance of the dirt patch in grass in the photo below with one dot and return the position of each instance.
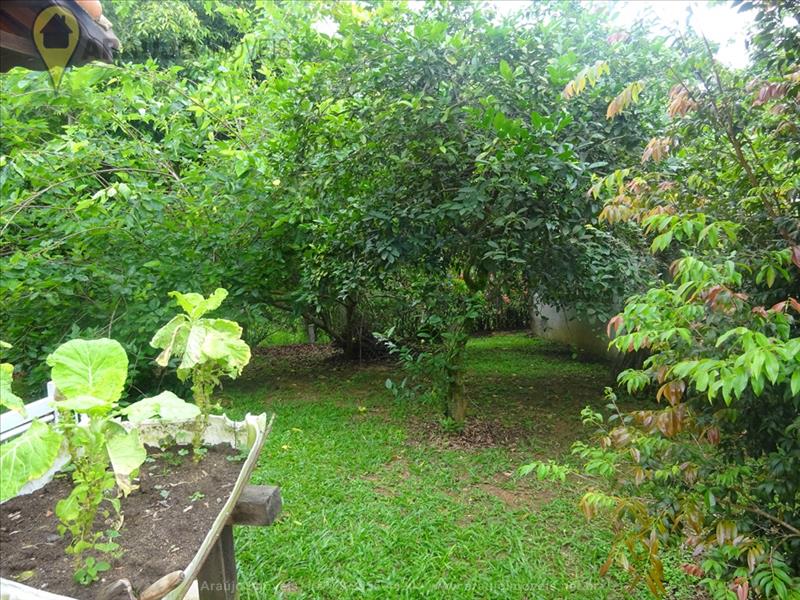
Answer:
(515, 499)
(509, 497)
(290, 587)
(478, 433)
(299, 353)
(397, 468)
(516, 495)
(299, 357)
(295, 363)
(385, 492)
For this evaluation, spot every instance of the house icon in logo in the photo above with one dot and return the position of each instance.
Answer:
(56, 32)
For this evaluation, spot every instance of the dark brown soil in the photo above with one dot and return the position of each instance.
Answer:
(165, 521)
(478, 433)
(299, 352)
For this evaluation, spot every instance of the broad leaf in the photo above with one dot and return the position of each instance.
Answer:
(189, 302)
(85, 404)
(223, 342)
(195, 305)
(127, 454)
(171, 338)
(224, 327)
(214, 300)
(96, 368)
(506, 71)
(215, 340)
(193, 352)
(69, 509)
(9, 399)
(26, 457)
(166, 406)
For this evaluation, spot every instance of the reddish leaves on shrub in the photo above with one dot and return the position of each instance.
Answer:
(614, 323)
(657, 149)
(760, 311)
(672, 391)
(770, 91)
(680, 101)
(693, 570)
(712, 435)
(721, 297)
(742, 588)
(669, 421)
(620, 436)
(778, 307)
(619, 36)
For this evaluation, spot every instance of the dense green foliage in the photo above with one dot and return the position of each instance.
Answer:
(717, 465)
(176, 32)
(399, 177)
(265, 172)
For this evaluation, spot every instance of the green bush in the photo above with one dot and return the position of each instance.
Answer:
(715, 464)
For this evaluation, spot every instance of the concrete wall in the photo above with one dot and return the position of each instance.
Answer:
(560, 325)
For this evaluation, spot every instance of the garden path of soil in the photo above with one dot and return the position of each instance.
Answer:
(165, 521)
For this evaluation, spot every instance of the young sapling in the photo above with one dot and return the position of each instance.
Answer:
(207, 350)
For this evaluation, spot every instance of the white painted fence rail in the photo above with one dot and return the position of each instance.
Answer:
(13, 424)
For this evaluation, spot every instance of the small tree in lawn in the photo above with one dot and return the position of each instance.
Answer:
(444, 312)
(208, 349)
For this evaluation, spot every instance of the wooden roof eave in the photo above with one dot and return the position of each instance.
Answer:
(97, 41)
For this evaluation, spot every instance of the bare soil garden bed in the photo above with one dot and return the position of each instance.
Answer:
(165, 522)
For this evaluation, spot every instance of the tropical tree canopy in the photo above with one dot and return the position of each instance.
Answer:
(399, 176)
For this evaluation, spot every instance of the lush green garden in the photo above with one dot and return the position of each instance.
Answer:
(401, 510)
(403, 181)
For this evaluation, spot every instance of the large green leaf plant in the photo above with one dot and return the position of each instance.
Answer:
(89, 376)
(207, 349)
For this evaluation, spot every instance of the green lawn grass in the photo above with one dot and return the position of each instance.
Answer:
(377, 507)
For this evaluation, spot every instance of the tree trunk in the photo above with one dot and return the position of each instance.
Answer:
(456, 399)
(348, 331)
(312, 332)
(350, 334)
(532, 314)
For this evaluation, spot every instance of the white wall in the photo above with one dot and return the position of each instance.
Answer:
(564, 326)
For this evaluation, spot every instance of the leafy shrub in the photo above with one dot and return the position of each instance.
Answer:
(716, 464)
(259, 165)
